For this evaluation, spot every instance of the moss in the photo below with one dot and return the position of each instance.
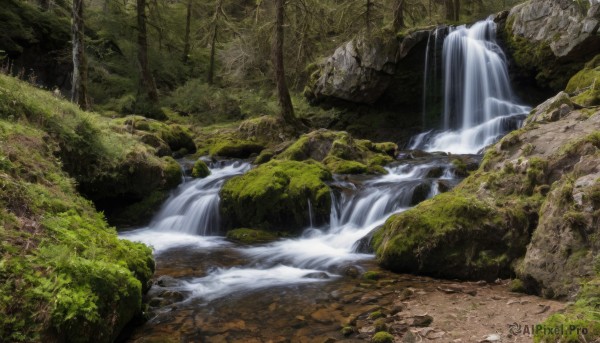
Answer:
(200, 169)
(264, 157)
(382, 337)
(64, 273)
(251, 236)
(580, 319)
(347, 331)
(371, 275)
(375, 315)
(585, 85)
(235, 148)
(275, 195)
(341, 153)
(339, 166)
(517, 285)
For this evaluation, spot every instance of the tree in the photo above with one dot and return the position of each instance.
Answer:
(398, 22)
(146, 79)
(79, 81)
(186, 39)
(285, 101)
(213, 43)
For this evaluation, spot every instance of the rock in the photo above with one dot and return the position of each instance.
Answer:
(562, 24)
(251, 236)
(549, 40)
(351, 271)
(200, 169)
(560, 102)
(317, 275)
(491, 339)
(167, 281)
(358, 71)
(419, 321)
(341, 153)
(409, 337)
(275, 195)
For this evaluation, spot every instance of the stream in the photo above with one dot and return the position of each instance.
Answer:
(305, 289)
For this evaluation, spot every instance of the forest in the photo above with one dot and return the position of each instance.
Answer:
(299, 170)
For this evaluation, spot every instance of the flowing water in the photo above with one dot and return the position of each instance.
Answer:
(479, 105)
(203, 270)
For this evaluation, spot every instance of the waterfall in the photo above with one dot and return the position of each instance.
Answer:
(310, 213)
(479, 105)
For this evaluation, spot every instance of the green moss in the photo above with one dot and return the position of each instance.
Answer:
(375, 315)
(251, 236)
(382, 337)
(339, 166)
(275, 195)
(347, 331)
(235, 148)
(341, 153)
(583, 314)
(64, 273)
(200, 169)
(585, 85)
(264, 157)
(517, 285)
(371, 275)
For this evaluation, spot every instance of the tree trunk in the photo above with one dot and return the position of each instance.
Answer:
(186, 39)
(213, 44)
(79, 81)
(146, 79)
(398, 15)
(285, 101)
(456, 10)
(368, 16)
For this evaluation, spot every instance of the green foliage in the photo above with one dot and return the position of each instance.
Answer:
(274, 196)
(585, 85)
(200, 169)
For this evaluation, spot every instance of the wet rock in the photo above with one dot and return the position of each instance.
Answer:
(167, 281)
(317, 275)
(351, 271)
(420, 193)
(419, 321)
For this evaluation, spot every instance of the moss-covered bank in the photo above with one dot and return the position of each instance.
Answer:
(64, 274)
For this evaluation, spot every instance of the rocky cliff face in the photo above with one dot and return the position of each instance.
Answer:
(548, 41)
(531, 209)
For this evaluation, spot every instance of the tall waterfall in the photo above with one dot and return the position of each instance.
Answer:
(479, 105)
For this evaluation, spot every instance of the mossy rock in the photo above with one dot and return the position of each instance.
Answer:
(200, 170)
(235, 148)
(341, 153)
(459, 232)
(177, 137)
(251, 236)
(382, 337)
(264, 157)
(275, 196)
(585, 85)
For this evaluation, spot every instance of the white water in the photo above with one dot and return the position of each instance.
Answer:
(319, 254)
(479, 105)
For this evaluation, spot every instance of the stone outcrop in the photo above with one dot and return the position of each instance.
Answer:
(358, 71)
(548, 41)
(568, 27)
(532, 209)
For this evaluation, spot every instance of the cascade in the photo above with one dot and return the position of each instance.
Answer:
(190, 216)
(479, 105)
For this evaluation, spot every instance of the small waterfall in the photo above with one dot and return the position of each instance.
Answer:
(191, 213)
(310, 213)
(425, 77)
(479, 105)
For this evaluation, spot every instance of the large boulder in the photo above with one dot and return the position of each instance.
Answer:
(276, 195)
(540, 181)
(358, 71)
(550, 40)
